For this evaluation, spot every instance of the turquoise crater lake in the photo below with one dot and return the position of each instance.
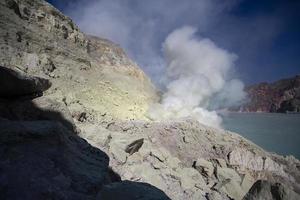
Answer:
(279, 133)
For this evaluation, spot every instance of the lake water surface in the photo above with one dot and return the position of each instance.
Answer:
(279, 133)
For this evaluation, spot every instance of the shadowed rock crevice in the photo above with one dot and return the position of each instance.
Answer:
(42, 157)
(15, 84)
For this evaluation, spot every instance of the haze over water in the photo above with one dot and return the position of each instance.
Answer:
(279, 133)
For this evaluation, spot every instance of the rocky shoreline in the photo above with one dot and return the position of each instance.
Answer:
(73, 125)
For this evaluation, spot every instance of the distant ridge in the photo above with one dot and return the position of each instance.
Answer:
(282, 96)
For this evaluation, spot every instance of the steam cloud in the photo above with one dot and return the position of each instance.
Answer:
(198, 71)
(142, 26)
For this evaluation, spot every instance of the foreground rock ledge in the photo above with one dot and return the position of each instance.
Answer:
(188, 160)
(44, 160)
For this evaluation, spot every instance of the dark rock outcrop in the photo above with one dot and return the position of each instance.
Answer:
(129, 190)
(16, 84)
(44, 160)
(264, 190)
(41, 108)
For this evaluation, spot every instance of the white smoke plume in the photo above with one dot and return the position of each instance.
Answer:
(141, 26)
(198, 73)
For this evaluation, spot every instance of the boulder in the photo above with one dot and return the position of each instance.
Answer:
(189, 178)
(230, 183)
(145, 172)
(14, 83)
(228, 173)
(265, 190)
(246, 159)
(134, 146)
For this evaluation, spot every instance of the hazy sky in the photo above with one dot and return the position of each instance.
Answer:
(264, 34)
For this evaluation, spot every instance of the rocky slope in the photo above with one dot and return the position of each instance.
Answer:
(280, 96)
(41, 157)
(66, 135)
(88, 73)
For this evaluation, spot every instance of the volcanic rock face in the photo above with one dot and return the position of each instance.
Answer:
(95, 90)
(280, 96)
(87, 72)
